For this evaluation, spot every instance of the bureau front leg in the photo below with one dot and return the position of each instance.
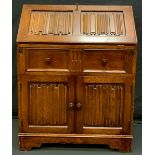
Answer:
(125, 145)
(26, 143)
(121, 144)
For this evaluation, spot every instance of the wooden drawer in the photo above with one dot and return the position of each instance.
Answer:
(46, 60)
(104, 61)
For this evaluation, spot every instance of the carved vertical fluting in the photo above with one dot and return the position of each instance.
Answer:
(102, 23)
(103, 105)
(112, 24)
(112, 110)
(121, 105)
(117, 106)
(47, 103)
(86, 105)
(51, 23)
(31, 26)
(51, 103)
(31, 104)
(97, 105)
(75, 63)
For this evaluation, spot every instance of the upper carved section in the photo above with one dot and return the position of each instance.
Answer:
(51, 23)
(102, 23)
(72, 24)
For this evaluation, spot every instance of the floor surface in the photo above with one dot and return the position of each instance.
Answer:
(77, 149)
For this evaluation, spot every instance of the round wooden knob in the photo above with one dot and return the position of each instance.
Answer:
(71, 105)
(48, 60)
(104, 61)
(78, 106)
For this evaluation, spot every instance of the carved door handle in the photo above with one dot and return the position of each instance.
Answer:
(71, 105)
(78, 106)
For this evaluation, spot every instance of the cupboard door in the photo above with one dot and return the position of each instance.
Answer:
(46, 104)
(105, 105)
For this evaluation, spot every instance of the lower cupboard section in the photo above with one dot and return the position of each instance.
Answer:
(118, 142)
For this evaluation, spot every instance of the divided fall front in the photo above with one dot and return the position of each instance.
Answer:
(75, 93)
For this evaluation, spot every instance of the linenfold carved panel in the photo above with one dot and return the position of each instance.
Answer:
(102, 23)
(92, 23)
(47, 103)
(104, 105)
(51, 23)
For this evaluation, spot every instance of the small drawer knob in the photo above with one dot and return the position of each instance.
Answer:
(104, 62)
(48, 60)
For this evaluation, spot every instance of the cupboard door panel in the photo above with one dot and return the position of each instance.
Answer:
(103, 104)
(46, 102)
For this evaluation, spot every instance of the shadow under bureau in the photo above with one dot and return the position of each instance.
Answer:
(76, 75)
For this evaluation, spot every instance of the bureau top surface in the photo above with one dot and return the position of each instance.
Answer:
(77, 24)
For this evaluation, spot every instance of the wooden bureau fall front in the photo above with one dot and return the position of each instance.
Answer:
(76, 75)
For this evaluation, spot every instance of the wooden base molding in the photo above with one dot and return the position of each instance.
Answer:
(118, 142)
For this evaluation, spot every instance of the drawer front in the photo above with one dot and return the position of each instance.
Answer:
(104, 61)
(46, 60)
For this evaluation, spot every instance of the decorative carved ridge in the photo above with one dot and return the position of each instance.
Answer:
(75, 61)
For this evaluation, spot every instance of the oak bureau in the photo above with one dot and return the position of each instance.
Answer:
(76, 75)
